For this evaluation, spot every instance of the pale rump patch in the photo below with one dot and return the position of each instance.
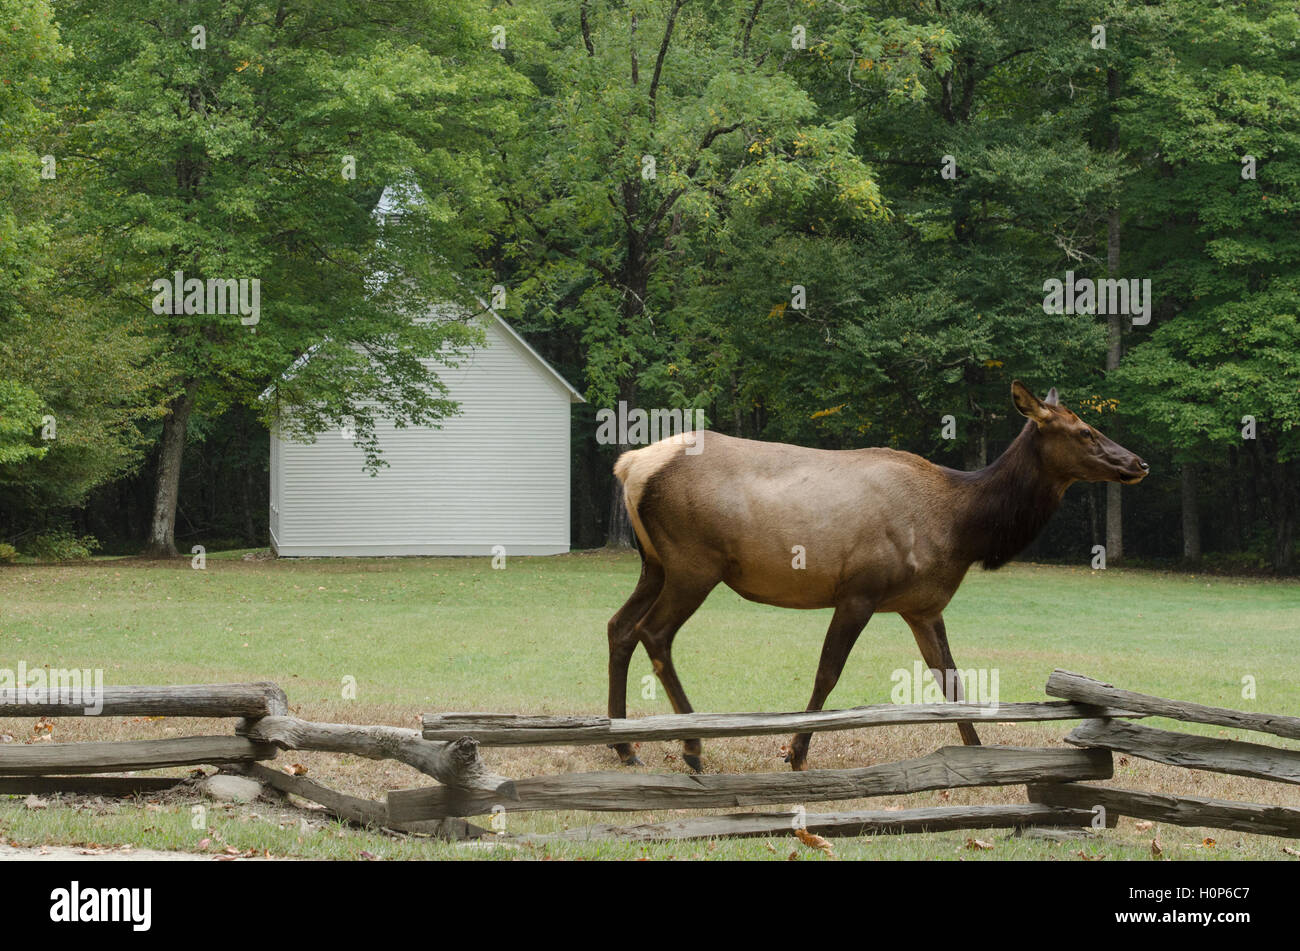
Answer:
(635, 469)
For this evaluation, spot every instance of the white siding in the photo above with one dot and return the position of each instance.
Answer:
(277, 487)
(497, 474)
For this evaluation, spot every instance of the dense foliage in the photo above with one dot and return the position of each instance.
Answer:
(821, 222)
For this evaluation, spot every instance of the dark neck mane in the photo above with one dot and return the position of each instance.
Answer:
(1002, 507)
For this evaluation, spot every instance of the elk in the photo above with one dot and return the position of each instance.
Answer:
(882, 531)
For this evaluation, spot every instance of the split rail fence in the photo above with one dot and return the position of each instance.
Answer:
(1060, 781)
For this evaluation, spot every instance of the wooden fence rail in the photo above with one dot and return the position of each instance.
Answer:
(949, 768)
(831, 824)
(1176, 810)
(455, 763)
(1063, 683)
(506, 729)
(1193, 752)
(190, 700)
(44, 759)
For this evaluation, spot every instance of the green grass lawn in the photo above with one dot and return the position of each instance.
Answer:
(453, 634)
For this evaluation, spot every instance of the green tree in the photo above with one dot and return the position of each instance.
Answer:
(662, 131)
(987, 163)
(1217, 108)
(237, 141)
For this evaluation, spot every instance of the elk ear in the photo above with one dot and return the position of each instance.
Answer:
(1028, 404)
(1052, 398)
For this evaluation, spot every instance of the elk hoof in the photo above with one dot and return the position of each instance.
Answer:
(693, 762)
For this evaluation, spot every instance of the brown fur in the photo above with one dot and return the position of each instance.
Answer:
(881, 530)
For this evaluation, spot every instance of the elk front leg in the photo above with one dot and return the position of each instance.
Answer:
(846, 624)
(932, 638)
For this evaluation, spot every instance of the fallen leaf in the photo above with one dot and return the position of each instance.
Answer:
(1143, 826)
(1207, 842)
(1156, 851)
(296, 769)
(978, 844)
(814, 841)
(1090, 858)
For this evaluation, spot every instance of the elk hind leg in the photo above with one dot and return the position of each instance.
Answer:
(622, 644)
(678, 600)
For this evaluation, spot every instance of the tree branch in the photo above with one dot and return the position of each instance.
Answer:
(663, 51)
(586, 29)
(694, 167)
(636, 76)
(749, 27)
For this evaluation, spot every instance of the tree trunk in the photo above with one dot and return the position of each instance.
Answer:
(976, 450)
(1284, 513)
(618, 528)
(636, 283)
(1191, 515)
(1114, 512)
(161, 542)
(1238, 540)
(1094, 521)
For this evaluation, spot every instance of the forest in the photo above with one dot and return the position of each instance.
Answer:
(836, 224)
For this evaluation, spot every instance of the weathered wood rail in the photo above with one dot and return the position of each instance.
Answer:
(447, 750)
(1076, 687)
(264, 727)
(189, 700)
(833, 824)
(507, 729)
(455, 763)
(1177, 810)
(43, 759)
(952, 767)
(1194, 752)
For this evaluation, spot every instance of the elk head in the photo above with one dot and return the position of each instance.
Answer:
(1071, 448)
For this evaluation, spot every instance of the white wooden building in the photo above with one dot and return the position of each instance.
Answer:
(497, 474)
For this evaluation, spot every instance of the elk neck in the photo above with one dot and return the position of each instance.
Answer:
(1000, 509)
